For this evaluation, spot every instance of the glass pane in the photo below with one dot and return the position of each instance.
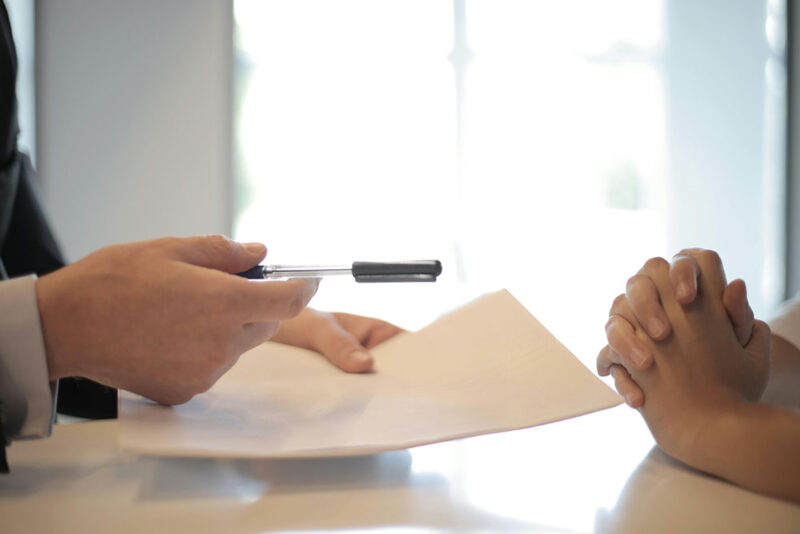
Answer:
(565, 140)
(547, 147)
(345, 135)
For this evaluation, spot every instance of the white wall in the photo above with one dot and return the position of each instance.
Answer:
(133, 118)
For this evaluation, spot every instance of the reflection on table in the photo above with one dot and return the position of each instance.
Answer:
(597, 473)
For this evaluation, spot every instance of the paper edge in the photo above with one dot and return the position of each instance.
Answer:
(343, 452)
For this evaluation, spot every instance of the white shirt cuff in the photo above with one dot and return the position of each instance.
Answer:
(27, 395)
(786, 323)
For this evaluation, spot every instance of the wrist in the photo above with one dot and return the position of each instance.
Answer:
(48, 316)
(711, 450)
(690, 431)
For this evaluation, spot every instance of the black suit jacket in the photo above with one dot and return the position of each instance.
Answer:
(27, 244)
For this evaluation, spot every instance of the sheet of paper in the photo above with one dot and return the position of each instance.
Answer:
(489, 366)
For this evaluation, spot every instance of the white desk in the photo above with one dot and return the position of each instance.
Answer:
(572, 476)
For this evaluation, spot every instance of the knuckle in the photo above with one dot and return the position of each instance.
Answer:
(616, 333)
(632, 395)
(617, 303)
(656, 264)
(635, 281)
(604, 358)
(620, 339)
(710, 257)
(220, 244)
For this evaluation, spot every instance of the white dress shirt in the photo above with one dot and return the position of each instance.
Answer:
(786, 323)
(28, 396)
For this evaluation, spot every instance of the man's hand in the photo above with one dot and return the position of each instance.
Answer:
(342, 338)
(641, 304)
(162, 318)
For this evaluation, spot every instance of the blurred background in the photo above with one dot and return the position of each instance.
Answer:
(549, 147)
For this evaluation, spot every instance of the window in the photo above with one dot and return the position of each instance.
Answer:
(21, 16)
(547, 147)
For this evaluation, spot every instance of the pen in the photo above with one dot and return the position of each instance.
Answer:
(362, 271)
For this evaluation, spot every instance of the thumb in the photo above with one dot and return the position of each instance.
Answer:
(218, 252)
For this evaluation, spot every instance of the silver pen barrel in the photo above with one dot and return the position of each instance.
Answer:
(305, 271)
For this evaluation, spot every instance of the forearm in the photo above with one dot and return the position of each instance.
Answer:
(756, 446)
(783, 388)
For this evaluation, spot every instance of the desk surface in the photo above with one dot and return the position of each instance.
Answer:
(574, 476)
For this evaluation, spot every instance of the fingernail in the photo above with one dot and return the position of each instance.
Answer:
(656, 327)
(255, 248)
(640, 357)
(360, 358)
(683, 290)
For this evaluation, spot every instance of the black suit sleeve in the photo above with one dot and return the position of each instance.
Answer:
(29, 245)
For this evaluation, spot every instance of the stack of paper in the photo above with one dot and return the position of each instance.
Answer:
(489, 366)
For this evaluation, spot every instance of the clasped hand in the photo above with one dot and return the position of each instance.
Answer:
(683, 346)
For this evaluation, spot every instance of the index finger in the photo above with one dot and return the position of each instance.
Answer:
(269, 300)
